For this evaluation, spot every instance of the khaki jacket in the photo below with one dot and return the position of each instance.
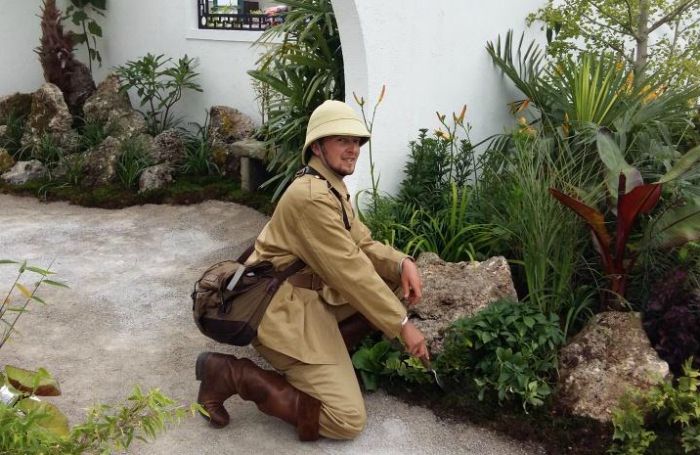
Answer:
(308, 224)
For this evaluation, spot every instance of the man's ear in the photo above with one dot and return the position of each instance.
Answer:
(316, 147)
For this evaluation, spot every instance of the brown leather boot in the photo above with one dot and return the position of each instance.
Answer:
(224, 375)
(354, 329)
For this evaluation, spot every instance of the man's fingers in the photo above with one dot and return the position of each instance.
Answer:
(405, 286)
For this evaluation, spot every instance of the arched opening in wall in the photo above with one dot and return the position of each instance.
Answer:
(353, 45)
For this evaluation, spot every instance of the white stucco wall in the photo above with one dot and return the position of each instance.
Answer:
(19, 35)
(431, 56)
(131, 29)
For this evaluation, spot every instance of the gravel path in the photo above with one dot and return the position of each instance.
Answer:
(126, 320)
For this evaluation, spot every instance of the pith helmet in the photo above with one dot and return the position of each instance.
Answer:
(330, 119)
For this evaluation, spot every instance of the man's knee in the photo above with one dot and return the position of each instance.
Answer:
(347, 423)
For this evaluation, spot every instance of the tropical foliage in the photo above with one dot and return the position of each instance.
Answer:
(303, 68)
(159, 83)
(82, 13)
(634, 199)
(657, 36)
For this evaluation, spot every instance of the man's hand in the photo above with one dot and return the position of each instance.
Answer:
(411, 282)
(414, 340)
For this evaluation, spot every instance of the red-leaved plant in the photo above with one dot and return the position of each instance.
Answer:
(633, 198)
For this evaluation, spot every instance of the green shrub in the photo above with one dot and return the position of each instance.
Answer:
(509, 348)
(676, 406)
(434, 165)
(29, 426)
(448, 232)
(431, 211)
(159, 84)
(20, 294)
(133, 160)
(107, 429)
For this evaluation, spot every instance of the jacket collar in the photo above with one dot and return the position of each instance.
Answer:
(334, 179)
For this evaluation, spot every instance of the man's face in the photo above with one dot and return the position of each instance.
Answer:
(338, 153)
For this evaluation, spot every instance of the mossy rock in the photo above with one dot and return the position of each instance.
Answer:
(6, 160)
(17, 105)
(185, 190)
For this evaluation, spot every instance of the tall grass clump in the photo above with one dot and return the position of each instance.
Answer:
(12, 139)
(198, 151)
(133, 160)
(539, 236)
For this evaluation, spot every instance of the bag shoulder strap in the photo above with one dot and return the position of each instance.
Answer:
(291, 270)
(246, 254)
(283, 274)
(311, 171)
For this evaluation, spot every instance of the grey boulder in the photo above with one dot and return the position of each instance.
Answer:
(101, 163)
(23, 172)
(611, 355)
(168, 148)
(17, 104)
(452, 291)
(155, 177)
(49, 115)
(228, 126)
(111, 107)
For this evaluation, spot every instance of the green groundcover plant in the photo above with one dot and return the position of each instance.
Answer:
(382, 359)
(508, 348)
(673, 405)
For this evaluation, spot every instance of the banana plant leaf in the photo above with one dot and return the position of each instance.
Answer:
(615, 162)
(35, 382)
(641, 200)
(52, 419)
(679, 225)
(683, 165)
(595, 221)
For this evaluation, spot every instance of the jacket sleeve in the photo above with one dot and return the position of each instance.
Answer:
(386, 260)
(324, 244)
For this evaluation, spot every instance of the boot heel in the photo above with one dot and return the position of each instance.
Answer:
(199, 367)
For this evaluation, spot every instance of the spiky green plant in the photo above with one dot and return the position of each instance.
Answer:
(303, 68)
(133, 160)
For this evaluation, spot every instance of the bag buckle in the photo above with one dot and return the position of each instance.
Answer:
(236, 278)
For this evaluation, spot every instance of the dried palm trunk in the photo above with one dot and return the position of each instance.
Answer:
(60, 65)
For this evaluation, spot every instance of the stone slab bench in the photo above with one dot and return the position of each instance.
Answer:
(253, 158)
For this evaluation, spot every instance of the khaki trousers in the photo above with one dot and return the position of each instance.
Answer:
(343, 414)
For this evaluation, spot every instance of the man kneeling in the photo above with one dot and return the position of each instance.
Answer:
(318, 315)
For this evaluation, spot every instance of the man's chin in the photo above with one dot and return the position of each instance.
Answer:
(345, 171)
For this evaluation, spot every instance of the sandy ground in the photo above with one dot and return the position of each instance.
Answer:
(126, 320)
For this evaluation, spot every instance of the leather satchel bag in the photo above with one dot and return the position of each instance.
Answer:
(230, 299)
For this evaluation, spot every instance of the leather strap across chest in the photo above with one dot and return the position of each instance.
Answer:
(308, 170)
